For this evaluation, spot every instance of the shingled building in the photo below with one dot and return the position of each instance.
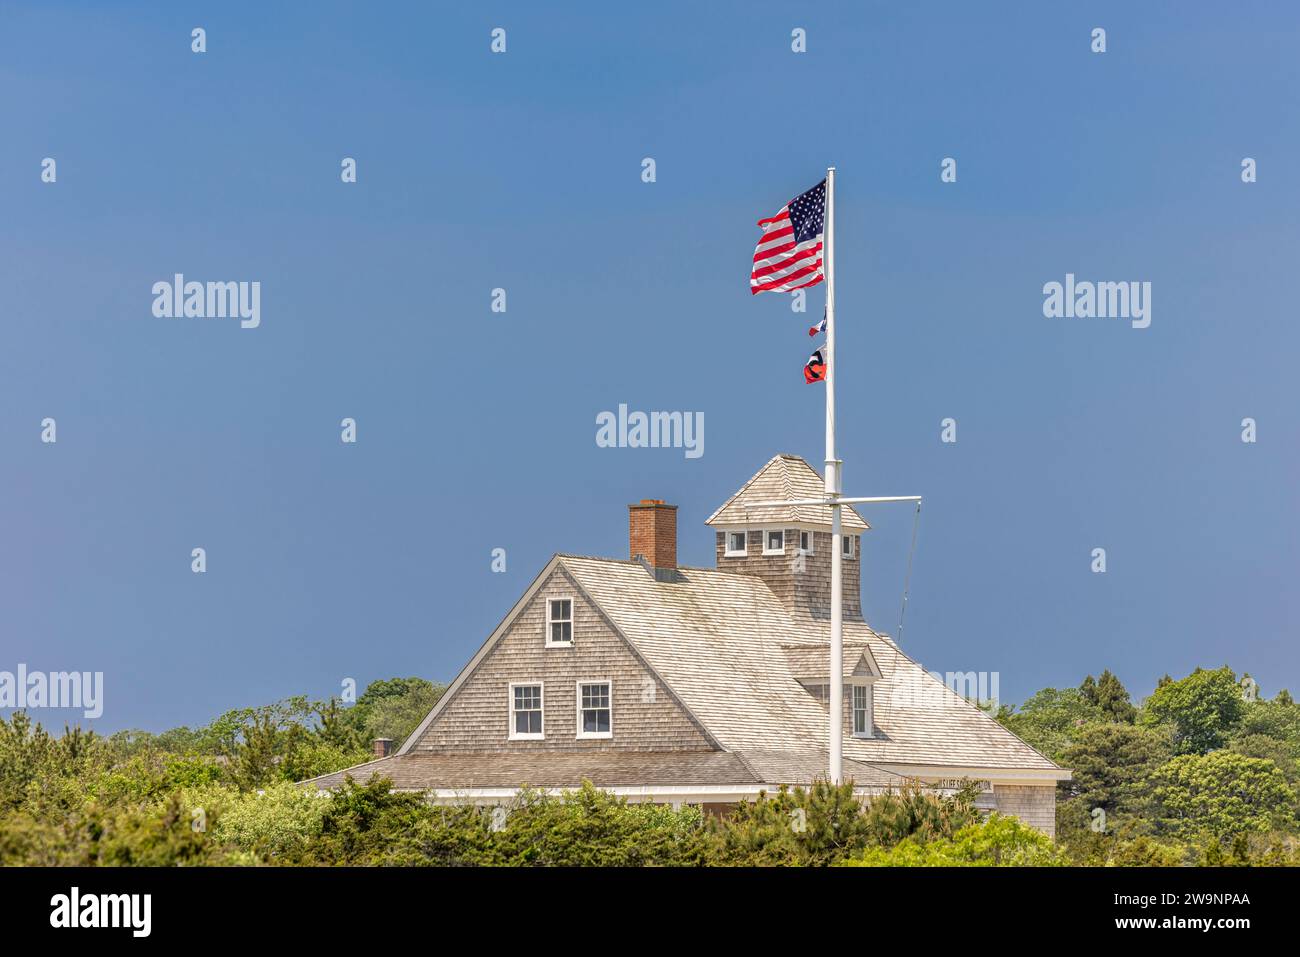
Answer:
(705, 685)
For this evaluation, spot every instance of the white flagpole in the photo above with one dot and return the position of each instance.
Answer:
(833, 490)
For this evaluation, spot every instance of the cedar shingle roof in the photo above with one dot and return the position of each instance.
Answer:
(722, 640)
(812, 662)
(783, 478)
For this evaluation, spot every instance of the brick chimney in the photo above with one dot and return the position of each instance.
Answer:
(652, 533)
(382, 747)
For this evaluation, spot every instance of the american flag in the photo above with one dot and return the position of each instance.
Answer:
(789, 256)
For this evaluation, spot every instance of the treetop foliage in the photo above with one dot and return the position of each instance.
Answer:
(1203, 771)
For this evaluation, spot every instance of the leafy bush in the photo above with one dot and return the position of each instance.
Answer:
(1222, 795)
(827, 823)
(997, 842)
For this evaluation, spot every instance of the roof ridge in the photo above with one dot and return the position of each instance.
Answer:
(783, 478)
(752, 479)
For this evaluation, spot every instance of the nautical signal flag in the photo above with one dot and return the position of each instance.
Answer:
(814, 369)
(820, 327)
(789, 255)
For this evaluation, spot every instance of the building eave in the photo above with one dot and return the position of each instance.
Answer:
(994, 775)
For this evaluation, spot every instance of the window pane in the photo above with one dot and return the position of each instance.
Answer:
(602, 721)
(566, 631)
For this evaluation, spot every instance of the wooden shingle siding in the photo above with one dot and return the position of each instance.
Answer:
(645, 716)
(1036, 805)
(806, 592)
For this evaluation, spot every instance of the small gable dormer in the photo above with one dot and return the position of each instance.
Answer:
(789, 546)
(810, 666)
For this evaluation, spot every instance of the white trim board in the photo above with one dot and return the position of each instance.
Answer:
(993, 775)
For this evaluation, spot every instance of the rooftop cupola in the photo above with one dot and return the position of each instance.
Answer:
(789, 546)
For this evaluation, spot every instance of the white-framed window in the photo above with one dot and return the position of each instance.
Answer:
(735, 544)
(559, 622)
(595, 709)
(862, 711)
(773, 542)
(526, 711)
(806, 541)
(847, 542)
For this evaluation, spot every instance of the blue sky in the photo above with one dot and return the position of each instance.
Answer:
(476, 430)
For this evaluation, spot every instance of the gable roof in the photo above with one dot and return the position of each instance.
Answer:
(784, 477)
(503, 626)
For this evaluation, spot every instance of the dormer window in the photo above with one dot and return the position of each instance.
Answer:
(847, 542)
(806, 542)
(735, 545)
(559, 622)
(774, 542)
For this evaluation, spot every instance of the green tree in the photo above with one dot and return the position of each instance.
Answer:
(1281, 753)
(1109, 697)
(396, 716)
(1278, 718)
(817, 826)
(1112, 765)
(334, 727)
(1222, 794)
(1050, 720)
(1203, 709)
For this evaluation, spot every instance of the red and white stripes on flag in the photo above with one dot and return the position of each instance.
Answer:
(789, 256)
